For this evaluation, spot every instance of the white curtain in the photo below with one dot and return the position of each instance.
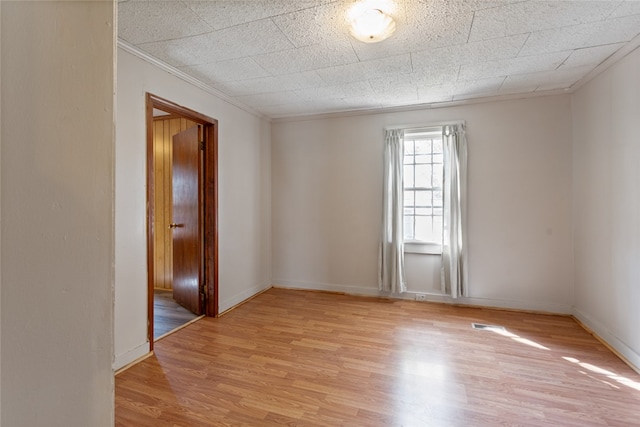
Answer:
(454, 240)
(391, 278)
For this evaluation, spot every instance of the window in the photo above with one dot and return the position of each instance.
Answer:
(424, 204)
(423, 176)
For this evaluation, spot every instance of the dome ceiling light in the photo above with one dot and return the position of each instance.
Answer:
(372, 26)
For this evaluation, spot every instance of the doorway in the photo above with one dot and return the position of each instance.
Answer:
(182, 243)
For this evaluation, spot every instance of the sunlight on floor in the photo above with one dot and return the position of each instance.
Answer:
(434, 371)
(592, 368)
(422, 387)
(515, 337)
(425, 385)
(611, 375)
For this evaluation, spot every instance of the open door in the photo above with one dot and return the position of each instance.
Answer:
(186, 220)
(195, 235)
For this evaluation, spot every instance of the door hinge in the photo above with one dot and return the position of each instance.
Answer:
(203, 297)
(202, 145)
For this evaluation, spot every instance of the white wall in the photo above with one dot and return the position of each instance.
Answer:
(244, 198)
(57, 213)
(606, 155)
(327, 197)
(0, 214)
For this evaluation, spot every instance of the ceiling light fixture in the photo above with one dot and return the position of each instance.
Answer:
(372, 26)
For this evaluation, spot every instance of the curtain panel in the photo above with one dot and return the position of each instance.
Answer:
(391, 262)
(453, 271)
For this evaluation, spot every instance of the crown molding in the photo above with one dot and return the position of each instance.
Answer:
(604, 65)
(128, 47)
(418, 107)
(607, 63)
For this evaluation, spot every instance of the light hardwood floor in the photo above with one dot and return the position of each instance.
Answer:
(313, 359)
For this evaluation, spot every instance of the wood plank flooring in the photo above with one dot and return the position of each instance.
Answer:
(168, 314)
(301, 358)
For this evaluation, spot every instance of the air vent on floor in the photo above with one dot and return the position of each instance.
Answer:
(489, 327)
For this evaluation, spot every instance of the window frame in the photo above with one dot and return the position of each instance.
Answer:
(422, 246)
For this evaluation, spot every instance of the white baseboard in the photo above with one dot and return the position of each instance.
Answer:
(533, 306)
(565, 309)
(136, 353)
(236, 299)
(313, 286)
(631, 356)
(628, 354)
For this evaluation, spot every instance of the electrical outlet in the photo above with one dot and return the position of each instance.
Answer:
(421, 297)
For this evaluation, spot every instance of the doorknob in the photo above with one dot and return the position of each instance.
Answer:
(174, 225)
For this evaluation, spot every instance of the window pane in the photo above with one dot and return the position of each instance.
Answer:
(423, 176)
(424, 225)
(423, 208)
(429, 229)
(423, 198)
(437, 198)
(408, 147)
(437, 229)
(423, 158)
(437, 176)
(408, 228)
(409, 198)
(408, 176)
(423, 146)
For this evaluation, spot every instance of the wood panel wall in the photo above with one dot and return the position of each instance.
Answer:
(163, 131)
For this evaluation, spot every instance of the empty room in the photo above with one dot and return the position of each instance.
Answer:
(363, 213)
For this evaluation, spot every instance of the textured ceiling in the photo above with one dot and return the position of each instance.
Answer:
(292, 57)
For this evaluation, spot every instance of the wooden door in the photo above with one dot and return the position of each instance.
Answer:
(163, 130)
(186, 215)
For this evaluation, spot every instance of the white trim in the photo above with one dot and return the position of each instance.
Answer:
(422, 248)
(609, 337)
(604, 65)
(314, 286)
(132, 364)
(607, 63)
(186, 77)
(236, 299)
(132, 355)
(417, 107)
(540, 307)
(430, 132)
(533, 306)
(430, 125)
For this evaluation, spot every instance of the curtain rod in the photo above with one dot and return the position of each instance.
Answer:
(426, 125)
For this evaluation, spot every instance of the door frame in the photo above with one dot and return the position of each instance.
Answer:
(209, 217)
